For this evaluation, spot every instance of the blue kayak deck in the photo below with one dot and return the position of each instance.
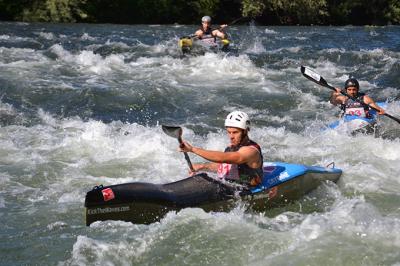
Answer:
(276, 173)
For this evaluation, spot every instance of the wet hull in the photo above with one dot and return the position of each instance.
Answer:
(144, 203)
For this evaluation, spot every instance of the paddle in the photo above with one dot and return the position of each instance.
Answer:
(315, 77)
(235, 20)
(229, 24)
(176, 132)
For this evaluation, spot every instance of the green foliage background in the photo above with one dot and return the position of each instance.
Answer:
(264, 12)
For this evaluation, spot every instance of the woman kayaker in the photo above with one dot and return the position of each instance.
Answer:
(241, 161)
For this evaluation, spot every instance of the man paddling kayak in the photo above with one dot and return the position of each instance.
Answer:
(350, 106)
(205, 39)
(241, 161)
(206, 33)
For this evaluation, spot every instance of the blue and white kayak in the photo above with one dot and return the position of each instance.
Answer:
(147, 203)
(354, 123)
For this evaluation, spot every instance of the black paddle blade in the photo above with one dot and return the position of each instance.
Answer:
(176, 132)
(172, 131)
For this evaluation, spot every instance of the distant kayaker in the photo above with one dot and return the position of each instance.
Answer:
(206, 33)
(241, 161)
(350, 106)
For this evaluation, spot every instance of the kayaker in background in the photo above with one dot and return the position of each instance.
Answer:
(351, 107)
(207, 33)
(241, 161)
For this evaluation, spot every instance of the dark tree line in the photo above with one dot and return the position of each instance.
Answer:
(264, 12)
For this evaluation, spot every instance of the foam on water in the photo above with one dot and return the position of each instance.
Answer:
(4, 37)
(256, 48)
(353, 224)
(86, 37)
(269, 31)
(141, 247)
(256, 239)
(295, 49)
(49, 158)
(207, 69)
(46, 35)
(87, 61)
(12, 38)
(17, 57)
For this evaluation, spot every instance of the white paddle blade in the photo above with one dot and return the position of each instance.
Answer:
(308, 72)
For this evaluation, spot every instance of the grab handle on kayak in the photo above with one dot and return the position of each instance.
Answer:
(330, 164)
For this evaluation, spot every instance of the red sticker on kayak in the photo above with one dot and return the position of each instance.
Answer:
(108, 194)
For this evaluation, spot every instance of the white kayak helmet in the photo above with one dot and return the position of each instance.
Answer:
(206, 19)
(238, 119)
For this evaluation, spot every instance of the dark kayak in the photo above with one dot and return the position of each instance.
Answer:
(147, 203)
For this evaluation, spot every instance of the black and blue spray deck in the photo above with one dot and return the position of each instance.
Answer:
(146, 203)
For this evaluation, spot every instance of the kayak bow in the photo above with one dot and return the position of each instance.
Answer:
(189, 44)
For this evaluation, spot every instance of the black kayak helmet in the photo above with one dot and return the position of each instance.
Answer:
(352, 82)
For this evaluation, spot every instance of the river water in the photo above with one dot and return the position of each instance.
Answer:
(81, 105)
